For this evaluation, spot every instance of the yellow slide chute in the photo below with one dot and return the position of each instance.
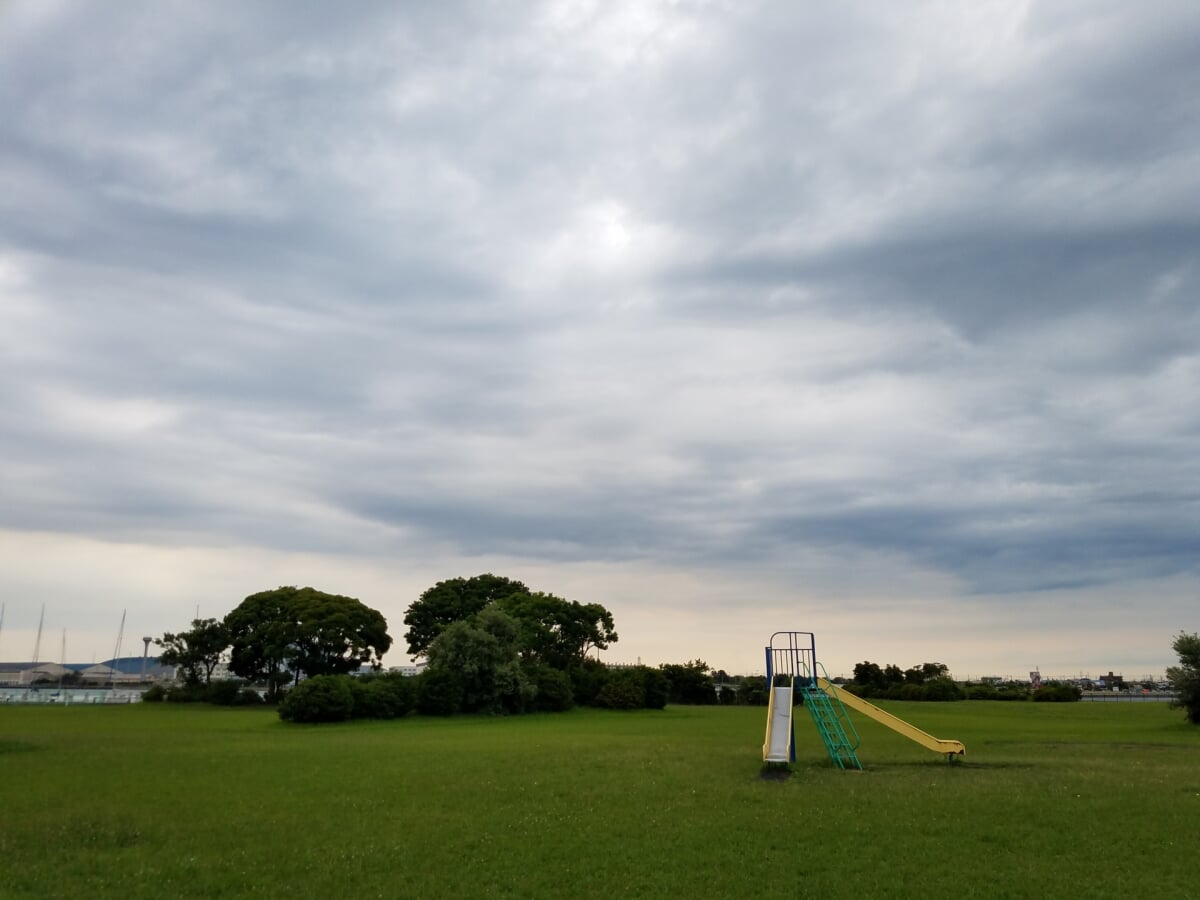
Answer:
(937, 745)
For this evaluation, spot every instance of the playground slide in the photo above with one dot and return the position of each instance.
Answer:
(777, 746)
(896, 724)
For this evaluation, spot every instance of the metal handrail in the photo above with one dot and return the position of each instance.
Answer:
(841, 708)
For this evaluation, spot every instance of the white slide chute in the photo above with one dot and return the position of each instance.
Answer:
(778, 745)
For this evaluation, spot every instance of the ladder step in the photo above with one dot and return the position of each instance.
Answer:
(829, 726)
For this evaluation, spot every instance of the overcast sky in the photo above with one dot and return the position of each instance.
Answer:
(875, 320)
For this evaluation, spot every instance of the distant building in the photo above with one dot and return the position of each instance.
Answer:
(126, 670)
(410, 671)
(23, 673)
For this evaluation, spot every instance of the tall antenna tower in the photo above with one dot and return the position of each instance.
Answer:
(145, 652)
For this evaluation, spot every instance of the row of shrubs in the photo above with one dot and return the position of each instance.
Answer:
(1053, 692)
(333, 698)
(221, 693)
(438, 692)
(942, 689)
(441, 692)
(938, 689)
(1057, 693)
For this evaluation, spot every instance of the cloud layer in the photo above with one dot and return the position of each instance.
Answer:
(741, 289)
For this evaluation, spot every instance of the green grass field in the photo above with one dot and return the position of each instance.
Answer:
(1052, 800)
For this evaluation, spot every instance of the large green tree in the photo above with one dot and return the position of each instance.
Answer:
(281, 634)
(925, 672)
(558, 632)
(336, 634)
(1185, 677)
(262, 631)
(197, 651)
(450, 601)
(868, 673)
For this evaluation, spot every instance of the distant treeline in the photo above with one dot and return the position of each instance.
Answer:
(491, 645)
(444, 692)
(931, 681)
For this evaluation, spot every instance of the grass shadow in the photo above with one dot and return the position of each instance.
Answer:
(18, 747)
(951, 766)
(775, 773)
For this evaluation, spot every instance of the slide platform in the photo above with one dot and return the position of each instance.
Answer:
(937, 745)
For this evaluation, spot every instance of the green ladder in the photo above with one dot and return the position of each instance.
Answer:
(829, 723)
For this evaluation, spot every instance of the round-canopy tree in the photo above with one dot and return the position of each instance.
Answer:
(453, 600)
(336, 634)
(262, 631)
(289, 631)
(558, 632)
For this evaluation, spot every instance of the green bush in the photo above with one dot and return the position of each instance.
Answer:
(389, 696)
(657, 688)
(224, 693)
(358, 693)
(625, 689)
(1057, 693)
(554, 692)
(514, 691)
(323, 698)
(936, 690)
(638, 687)
(439, 692)
(906, 691)
(221, 693)
(186, 693)
(941, 689)
(587, 680)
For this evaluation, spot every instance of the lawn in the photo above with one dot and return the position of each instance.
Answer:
(1051, 800)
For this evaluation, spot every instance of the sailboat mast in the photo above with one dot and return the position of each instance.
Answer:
(62, 661)
(37, 644)
(117, 652)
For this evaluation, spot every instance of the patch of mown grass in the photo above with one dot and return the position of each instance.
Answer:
(160, 801)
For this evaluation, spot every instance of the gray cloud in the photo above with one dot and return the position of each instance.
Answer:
(687, 284)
